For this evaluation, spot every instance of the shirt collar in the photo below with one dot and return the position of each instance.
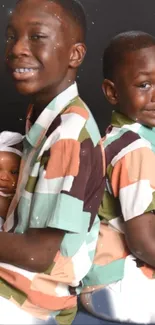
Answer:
(119, 119)
(37, 131)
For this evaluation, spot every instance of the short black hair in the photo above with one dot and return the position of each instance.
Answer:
(120, 45)
(75, 11)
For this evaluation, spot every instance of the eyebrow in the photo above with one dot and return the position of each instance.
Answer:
(37, 23)
(144, 73)
(33, 23)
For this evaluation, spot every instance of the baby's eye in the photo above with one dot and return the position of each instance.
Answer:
(14, 172)
(145, 85)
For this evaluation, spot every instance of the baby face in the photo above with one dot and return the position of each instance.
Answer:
(9, 170)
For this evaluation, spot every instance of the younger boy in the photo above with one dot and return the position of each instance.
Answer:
(124, 263)
(53, 213)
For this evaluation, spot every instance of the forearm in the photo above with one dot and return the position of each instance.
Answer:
(34, 250)
(140, 238)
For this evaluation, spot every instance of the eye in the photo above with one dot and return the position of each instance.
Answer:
(10, 37)
(14, 172)
(145, 85)
(36, 37)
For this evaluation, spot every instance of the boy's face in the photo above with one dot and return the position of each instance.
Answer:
(9, 169)
(39, 46)
(135, 86)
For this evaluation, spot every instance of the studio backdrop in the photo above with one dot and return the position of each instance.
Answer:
(105, 19)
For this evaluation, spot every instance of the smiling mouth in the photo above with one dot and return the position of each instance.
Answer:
(149, 113)
(22, 74)
(149, 110)
(4, 189)
(24, 70)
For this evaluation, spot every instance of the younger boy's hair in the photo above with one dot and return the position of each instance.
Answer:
(120, 45)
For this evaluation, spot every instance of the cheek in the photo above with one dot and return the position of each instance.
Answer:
(8, 50)
(53, 59)
(143, 99)
(44, 54)
(139, 98)
(13, 180)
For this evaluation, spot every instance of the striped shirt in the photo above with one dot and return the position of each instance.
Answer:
(129, 150)
(60, 186)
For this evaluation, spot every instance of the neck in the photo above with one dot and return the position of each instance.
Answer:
(42, 99)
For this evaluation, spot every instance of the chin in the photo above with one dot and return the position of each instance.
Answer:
(25, 90)
(148, 124)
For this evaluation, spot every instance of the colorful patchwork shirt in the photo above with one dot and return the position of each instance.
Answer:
(129, 150)
(60, 186)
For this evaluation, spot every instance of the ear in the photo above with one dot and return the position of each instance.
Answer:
(110, 92)
(77, 55)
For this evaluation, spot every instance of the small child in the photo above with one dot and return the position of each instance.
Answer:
(10, 156)
(124, 265)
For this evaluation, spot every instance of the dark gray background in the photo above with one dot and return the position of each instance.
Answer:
(105, 18)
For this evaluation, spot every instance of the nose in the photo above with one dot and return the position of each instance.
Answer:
(19, 48)
(4, 176)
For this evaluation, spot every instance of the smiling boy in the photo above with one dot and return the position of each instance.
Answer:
(124, 265)
(53, 214)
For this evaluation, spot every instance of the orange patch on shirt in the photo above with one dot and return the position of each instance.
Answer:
(15, 279)
(63, 270)
(44, 283)
(36, 311)
(64, 159)
(135, 166)
(147, 271)
(52, 302)
(140, 165)
(77, 110)
(110, 246)
(119, 177)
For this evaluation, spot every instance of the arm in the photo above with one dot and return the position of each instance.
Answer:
(33, 250)
(133, 181)
(140, 236)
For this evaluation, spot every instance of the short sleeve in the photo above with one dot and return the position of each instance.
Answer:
(73, 164)
(133, 181)
(62, 185)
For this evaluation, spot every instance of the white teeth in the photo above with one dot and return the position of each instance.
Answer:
(24, 70)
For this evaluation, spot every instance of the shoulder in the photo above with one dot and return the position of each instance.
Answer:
(121, 141)
(80, 123)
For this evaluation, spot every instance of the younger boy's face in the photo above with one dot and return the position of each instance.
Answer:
(135, 86)
(38, 47)
(9, 170)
